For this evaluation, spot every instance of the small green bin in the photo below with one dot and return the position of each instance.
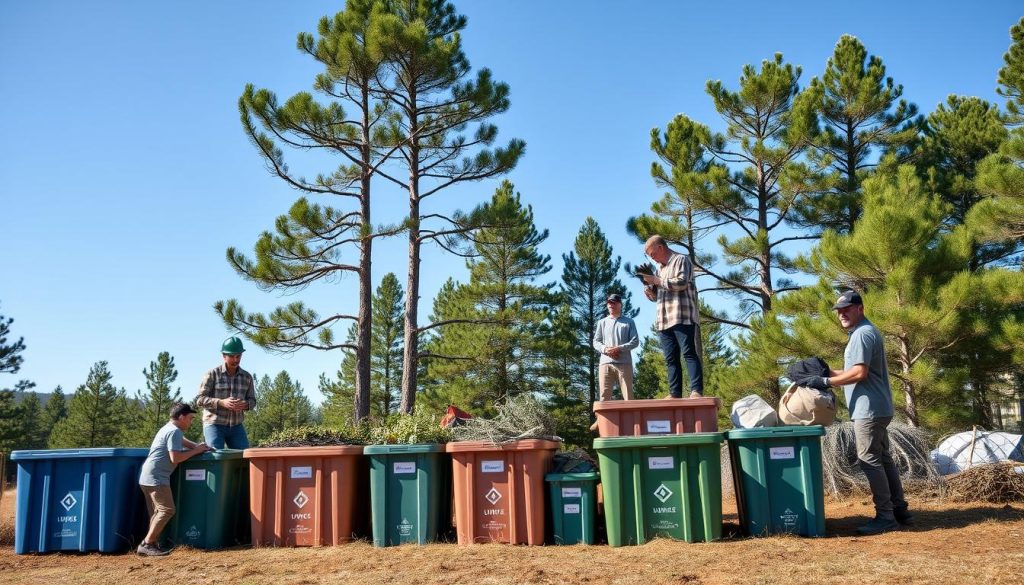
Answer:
(573, 506)
(211, 497)
(410, 492)
(778, 480)
(667, 486)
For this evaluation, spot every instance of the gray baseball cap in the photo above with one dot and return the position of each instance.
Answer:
(850, 297)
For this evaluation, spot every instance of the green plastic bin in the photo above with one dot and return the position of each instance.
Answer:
(573, 506)
(667, 486)
(408, 495)
(778, 480)
(211, 494)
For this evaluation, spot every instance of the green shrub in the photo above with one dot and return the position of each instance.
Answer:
(421, 426)
(316, 436)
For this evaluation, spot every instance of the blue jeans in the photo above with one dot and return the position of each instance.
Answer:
(217, 436)
(676, 338)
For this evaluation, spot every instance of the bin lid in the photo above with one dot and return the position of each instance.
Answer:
(77, 453)
(403, 449)
(656, 404)
(520, 445)
(326, 451)
(775, 432)
(582, 476)
(218, 455)
(684, 440)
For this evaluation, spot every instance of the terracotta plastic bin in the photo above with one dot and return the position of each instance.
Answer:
(499, 490)
(664, 416)
(305, 496)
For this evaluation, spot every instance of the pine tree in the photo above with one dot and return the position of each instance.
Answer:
(862, 117)
(311, 238)
(33, 429)
(386, 346)
(651, 375)
(1011, 76)
(443, 134)
(451, 353)
(54, 411)
(95, 414)
(566, 377)
(154, 405)
(12, 429)
(588, 277)
(280, 404)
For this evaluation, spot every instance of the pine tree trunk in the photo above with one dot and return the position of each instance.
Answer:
(410, 354)
(365, 316)
(909, 392)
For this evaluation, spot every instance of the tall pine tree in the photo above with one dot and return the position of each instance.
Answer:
(280, 404)
(96, 414)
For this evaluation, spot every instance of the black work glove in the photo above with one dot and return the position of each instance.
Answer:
(816, 382)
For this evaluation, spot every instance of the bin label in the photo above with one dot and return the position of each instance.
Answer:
(572, 492)
(571, 508)
(492, 466)
(302, 472)
(493, 496)
(789, 519)
(405, 467)
(195, 475)
(659, 426)
(405, 528)
(660, 463)
(663, 493)
(781, 453)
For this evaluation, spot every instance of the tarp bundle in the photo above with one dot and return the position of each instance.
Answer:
(955, 454)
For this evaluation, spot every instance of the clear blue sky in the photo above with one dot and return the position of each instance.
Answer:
(124, 172)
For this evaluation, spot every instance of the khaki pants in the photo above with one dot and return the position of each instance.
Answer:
(609, 374)
(160, 503)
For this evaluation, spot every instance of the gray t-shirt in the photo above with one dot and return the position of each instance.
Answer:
(871, 397)
(158, 467)
(616, 332)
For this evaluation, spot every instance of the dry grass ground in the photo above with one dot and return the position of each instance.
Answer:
(966, 543)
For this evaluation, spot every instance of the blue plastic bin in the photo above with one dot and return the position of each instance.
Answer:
(78, 500)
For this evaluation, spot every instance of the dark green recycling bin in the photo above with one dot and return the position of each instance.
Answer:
(667, 485)
(410, 492)
(777, 476)
(211, 497)
(573, 506)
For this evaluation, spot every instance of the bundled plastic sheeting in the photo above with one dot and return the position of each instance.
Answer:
(751, 412)
(955, 453)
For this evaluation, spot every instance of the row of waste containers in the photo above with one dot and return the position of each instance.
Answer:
(653, 486)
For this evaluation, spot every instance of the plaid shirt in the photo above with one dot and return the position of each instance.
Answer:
(217, 384)
(677, 294)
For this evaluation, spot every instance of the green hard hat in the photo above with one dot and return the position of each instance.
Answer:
(232, 346)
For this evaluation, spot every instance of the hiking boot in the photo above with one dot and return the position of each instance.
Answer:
(903, 516)
(151, 550)
(878, 526)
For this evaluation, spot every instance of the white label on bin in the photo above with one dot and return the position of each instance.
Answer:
(302, 472)
(659, 426)
(781, 453)
(660, 463)
(572, 492)
(405, 467)
(492, 466)
(195, 475)
(571, 508)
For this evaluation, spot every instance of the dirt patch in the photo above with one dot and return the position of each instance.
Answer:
(979, 543)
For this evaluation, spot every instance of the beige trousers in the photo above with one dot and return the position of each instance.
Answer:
(610, 374)
(160, 503)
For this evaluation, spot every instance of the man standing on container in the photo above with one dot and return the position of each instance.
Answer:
(865, 379)
(678, 323)
(614, 338)
(225, 393)
(169, 448)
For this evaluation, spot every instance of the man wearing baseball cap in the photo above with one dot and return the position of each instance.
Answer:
(614, 338)
(169, 448)
(865, 379)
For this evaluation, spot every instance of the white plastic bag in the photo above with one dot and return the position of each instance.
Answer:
(752, 411)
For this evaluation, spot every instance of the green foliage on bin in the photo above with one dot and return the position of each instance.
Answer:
(422, 426)
(316, 436)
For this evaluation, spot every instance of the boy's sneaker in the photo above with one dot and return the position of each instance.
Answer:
(151, 550)
(878, 526)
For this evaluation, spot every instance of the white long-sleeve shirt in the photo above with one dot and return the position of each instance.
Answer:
(616, 332)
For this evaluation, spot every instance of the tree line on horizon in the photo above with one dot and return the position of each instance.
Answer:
(803, 191)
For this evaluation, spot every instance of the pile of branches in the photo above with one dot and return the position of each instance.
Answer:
(998, 483)
(910, 448)
(408, 429)
(520, 417)
(575, 461)
(315, 436)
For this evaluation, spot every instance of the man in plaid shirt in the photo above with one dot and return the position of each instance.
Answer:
(677, 320)
(225, 393)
